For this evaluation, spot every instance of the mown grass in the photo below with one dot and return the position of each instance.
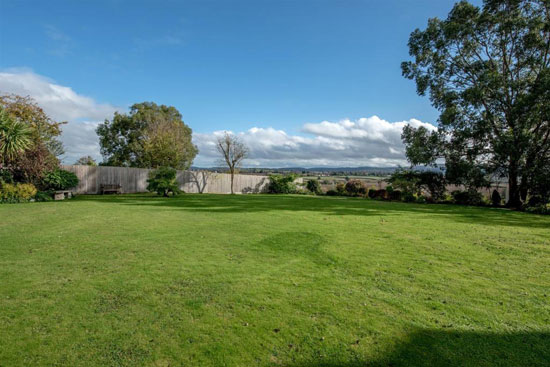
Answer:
(212, 280)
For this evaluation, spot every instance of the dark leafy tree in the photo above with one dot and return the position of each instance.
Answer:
(279, 184)
(59, 179)
(416, 182)
(38, 147)
(487, 71)
(313, 186)
(148, 136)
(355, 188)
(163, 182)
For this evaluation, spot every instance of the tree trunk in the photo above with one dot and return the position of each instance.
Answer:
(232, 176)
(514, 199)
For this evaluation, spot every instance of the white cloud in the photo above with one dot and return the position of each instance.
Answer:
(365, 142)
(61, 103)
(368, 141)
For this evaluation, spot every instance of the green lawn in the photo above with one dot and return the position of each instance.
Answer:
(259, 280)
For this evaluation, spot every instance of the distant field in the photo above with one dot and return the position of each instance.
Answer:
(260, 280)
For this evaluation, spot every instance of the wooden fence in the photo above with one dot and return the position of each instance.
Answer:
(134, 180)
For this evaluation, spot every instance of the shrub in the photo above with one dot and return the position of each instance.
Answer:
(313, 186)
(21, 192)
(539, 209)
(467, 197)
(332, 193)
(421, 199)
(409, 197)
(6, 177)
(495, 198)
(281, 184)
(418, 181)
(43, 196)
(355, 188)
(163, 182)
(395, 195)
(341, 188)
(59, 180)
(372, 193)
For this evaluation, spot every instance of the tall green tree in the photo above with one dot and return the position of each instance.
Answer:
(148, 136)
(487, 71)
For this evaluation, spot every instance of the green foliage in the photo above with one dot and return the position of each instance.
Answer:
(341, 188)
(496, 199)
(467, 197)
(539, 209)
(15, 136)
(487, 71)
(44, 196)
(332, 192)
(414, 182)
(163, 182)
(279, 184)
(17, 193)
(59, 180)
(86, 161)
(408, 197)
(5, 176)
(355, 188)
(313, 186)
(149, 136)
(33, 144)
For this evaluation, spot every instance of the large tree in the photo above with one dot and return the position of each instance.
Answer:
(487, 71)
(149, 136)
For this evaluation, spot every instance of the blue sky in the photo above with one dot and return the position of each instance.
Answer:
(226, 65)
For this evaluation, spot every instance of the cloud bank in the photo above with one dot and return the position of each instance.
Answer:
(368, 141)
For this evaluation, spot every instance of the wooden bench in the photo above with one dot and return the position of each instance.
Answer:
(110, 189)
(62, 195)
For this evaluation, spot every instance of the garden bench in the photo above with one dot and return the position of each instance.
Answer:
(62, 195)
(110, 188)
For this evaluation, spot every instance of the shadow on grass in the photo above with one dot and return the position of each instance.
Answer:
(425, 348)
(340, 206)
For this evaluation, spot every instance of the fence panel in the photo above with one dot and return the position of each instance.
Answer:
(134, 180)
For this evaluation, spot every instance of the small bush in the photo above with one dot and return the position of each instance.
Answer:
(496, 199)
(6, 177)
(539, 209)
(409, 197)
(355, 188)
(43, 196)
(313, 186)
(341, 188)
(421, 199)
(467, 197)
(17, 193)
(395, 195)
(332, 193)
(372, 193)
(281, 184)
(59, 180)
(163, 182)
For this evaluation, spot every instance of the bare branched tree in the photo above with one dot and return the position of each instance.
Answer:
(233, 152)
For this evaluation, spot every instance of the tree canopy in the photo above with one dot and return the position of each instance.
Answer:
(149, 136)
(30, 145)
(487, 71)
